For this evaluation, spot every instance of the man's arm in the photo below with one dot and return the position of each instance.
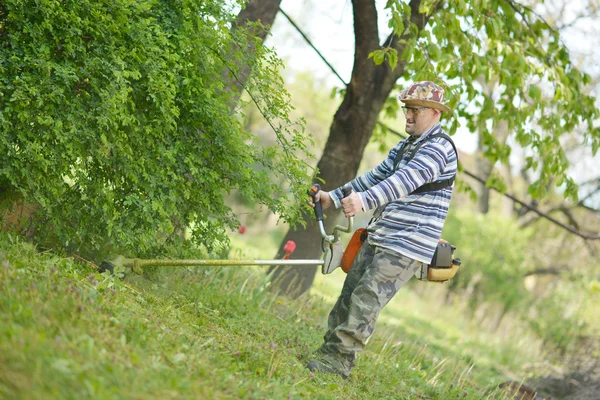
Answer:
(425, 167)
(369, 179)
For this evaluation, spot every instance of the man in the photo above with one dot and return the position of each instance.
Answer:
(405, 228)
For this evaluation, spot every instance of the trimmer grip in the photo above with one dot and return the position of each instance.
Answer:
(318, 208)
(346, 191)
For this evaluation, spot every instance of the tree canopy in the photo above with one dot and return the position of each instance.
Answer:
(505, 45)
(114, 122)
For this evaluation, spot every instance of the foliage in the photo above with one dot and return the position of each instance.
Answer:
(538, 90)
(563, 267)
(563, 321)
(493, 254)
(69, 332)
(114, 120)
(496, 257)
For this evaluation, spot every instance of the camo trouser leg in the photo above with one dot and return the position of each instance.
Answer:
(375, 277)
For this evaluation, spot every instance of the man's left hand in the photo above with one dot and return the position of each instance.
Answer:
(351, 205)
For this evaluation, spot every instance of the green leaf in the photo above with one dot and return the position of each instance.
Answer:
(535, 92)
(379, 57)
(434, 51)
(393, 58)
(524, 139)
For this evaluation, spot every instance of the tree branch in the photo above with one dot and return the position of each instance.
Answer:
(513, 4)
(307, 40)
(547, 270)
(417, 18)
(366, 35)
(573, 230)
(562, 208)
(540, 213)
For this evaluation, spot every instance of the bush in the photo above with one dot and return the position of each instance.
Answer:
(496, 255)
(114, 122)
(493, 254)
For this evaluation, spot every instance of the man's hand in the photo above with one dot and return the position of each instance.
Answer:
(324, 197)
(351, 205)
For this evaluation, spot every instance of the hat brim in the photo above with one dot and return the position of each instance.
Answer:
(428, 104)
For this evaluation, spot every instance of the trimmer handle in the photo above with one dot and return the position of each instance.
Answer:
(346, 191)
(312, 192)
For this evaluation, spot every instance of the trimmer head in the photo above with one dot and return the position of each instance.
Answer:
(119, 266)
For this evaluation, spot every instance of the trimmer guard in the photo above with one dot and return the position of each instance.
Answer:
(332, 257)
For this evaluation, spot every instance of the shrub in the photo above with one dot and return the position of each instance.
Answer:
(493, 254)
(114, 121)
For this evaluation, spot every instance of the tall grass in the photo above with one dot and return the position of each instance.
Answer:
(68, 332)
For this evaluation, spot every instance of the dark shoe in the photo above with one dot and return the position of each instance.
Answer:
(320, 367)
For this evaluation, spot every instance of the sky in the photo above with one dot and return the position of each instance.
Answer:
(329, 25)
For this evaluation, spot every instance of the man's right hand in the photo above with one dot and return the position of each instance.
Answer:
(324, 197)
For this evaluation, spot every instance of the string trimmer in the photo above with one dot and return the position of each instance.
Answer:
(330, 244)
(332, 251)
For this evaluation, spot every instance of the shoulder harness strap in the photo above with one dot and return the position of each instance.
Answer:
(433, 186)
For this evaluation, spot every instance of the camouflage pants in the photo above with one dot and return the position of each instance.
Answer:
(375, 277)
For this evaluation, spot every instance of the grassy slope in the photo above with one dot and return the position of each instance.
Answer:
(70, 333)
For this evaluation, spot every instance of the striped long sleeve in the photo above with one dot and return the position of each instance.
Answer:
(409, 224)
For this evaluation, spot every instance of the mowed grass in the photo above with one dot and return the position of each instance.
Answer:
(68, 332)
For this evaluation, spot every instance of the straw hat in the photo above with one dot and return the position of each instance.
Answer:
(424, 94)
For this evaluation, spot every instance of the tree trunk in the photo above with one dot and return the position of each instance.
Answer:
(349, 134)
(508, 206)
(263, 11)
(484, 166)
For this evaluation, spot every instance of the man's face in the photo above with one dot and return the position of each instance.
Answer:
(419, 119)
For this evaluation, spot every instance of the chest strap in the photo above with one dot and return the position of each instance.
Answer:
(428, 187)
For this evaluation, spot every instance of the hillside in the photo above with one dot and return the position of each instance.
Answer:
(69, 332)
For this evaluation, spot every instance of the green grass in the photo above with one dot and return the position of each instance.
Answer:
(68, 332)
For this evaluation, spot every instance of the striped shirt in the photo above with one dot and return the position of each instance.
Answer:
(409, 224)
